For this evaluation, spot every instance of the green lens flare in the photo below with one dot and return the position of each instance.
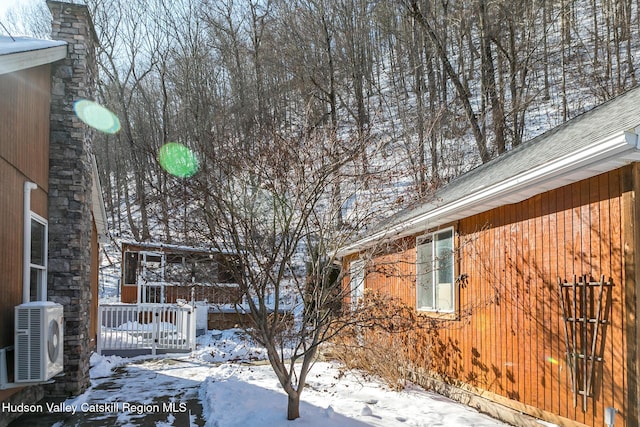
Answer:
(96, 116)
(178, 160)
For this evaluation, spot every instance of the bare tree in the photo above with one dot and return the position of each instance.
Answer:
(125, 63)
(33, 19)
(269, 204)
(426, 18)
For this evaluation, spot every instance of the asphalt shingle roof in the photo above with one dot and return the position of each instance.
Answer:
(612, 118)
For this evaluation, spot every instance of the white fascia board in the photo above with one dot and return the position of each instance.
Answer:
(97, 204)
(11, 62)
(597, 158)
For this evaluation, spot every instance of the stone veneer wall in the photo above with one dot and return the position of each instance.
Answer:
(70, 179)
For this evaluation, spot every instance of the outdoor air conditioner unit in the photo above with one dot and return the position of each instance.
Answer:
(38, 341)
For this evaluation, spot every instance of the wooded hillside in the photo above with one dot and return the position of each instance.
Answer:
(434, 87)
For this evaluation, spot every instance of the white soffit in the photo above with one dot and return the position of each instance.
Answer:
(23, 53)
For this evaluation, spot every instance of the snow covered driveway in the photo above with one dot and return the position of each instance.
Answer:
(226, 383)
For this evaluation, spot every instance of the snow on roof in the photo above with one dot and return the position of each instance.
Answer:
(10, 45)
(602, 139)
(18, 53)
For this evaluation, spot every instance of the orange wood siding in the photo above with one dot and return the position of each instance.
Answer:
(395, 272)
(11, 247)
(24, 122)
(509, 338)
(24, 156)
(129, 294)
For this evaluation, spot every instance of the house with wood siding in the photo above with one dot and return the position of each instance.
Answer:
(51, 212)
(163, 273)
(525, 272)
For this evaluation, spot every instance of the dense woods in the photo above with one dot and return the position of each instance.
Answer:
(433, 87)
(311, 118)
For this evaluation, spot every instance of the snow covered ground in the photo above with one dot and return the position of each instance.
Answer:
(235, 395)
(231, 385)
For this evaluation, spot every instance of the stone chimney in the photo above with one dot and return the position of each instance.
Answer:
(70, 180)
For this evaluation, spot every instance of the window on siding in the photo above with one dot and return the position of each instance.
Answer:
(356, 273)
(131, 260)
(38, 259)
(435, 272)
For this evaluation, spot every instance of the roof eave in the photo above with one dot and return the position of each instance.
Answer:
(16, 61)
(606, 155)
(97, 205)
(151, 246)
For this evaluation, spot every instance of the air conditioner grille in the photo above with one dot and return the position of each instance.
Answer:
(38, 341)
(23, 319)
(23, 366)
(35, 338)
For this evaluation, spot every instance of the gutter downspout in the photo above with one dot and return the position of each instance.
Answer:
(26, 255)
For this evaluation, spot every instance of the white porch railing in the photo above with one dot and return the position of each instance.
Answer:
(133, 329)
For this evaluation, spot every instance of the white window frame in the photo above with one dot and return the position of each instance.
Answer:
(430, 278)
(41, 292)
(142, 280)
(356, 281)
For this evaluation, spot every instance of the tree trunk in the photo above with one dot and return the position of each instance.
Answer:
(631, 70)
(565, 45)
(417, 64)
(462, 91)
(293, 407)
(545, 44)
(489, 80)
(132, 225)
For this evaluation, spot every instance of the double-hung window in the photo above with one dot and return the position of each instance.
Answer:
(38, 259)
(435, 272)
